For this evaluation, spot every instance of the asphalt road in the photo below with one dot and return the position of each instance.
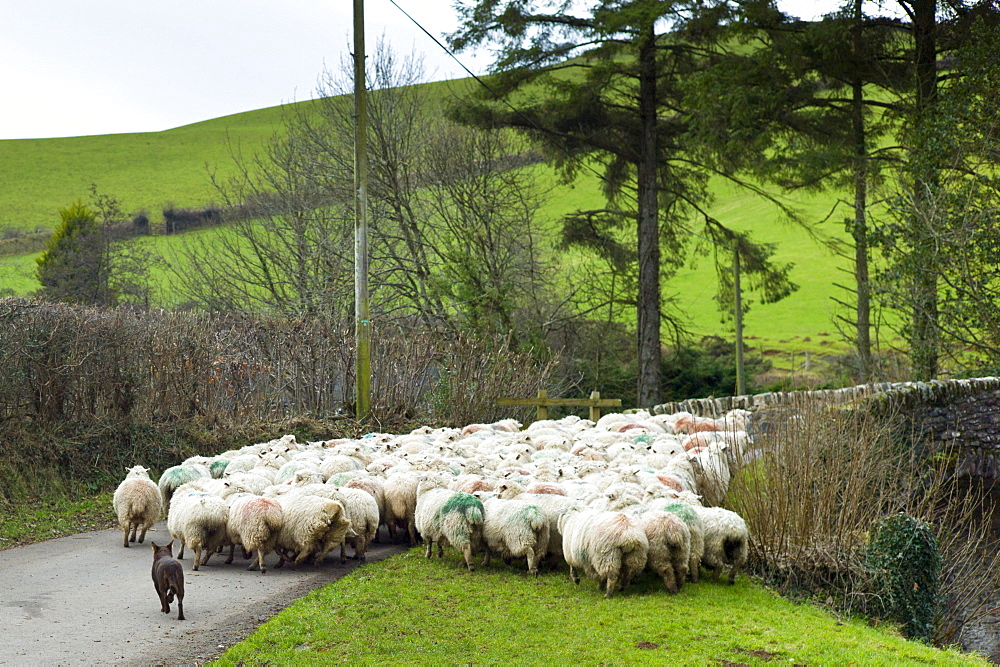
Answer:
(86, 600)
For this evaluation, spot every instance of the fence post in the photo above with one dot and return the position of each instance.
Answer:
(542, 411)
(595, 411)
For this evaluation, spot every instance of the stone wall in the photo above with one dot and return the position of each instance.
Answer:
(965, 413)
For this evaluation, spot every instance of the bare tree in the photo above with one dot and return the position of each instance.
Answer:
(453, 238)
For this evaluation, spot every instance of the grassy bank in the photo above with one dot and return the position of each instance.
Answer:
(38, 519)
(411, 610)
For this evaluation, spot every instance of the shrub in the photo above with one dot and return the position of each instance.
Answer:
(823, 477)
(902, 557)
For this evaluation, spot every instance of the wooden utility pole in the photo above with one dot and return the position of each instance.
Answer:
(362, 323)
(741, 384)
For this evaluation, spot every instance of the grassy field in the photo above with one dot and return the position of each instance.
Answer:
(148, 171)
(410, 610)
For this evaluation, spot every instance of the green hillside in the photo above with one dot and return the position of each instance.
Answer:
(148, 171)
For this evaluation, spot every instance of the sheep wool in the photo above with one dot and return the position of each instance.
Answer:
(137, 504)
(669, 546)
(607, 546)
(176, 476)
(515, 529)
(311, 526)
(726, 541)
(692, 520)
(401, 503)
(198, 521)
(448, 517)
(255, 523)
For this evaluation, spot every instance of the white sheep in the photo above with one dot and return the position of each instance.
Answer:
(197, 520)
(726, 541)
(515, 529)
(374, 486)
(401, 503)
(448, 517)
(608, 546)
(711, 472)
(669, 545)
(137, 504)
(362, 511)
(311, 526)
(683, 505)
(175, 476)
(255, 523)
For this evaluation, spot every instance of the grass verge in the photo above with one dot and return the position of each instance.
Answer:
(36, 520)
(411, 610)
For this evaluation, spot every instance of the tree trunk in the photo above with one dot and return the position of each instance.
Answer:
(860, 232)
(924, 343)
(648, 302)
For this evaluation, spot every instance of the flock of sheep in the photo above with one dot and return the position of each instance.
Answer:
(610, 498)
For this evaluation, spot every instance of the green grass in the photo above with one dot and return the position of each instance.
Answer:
(38, 519)
(152, 170)
(409, 610)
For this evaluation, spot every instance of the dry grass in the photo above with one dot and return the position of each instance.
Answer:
(819, 481)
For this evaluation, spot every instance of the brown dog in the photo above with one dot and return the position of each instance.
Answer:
(168, 577)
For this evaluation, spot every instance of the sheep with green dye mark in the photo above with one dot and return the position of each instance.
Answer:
(692, 520)
(669, 545)
(514, 529)
(446, 517)
(608, 546)
(137, 504)
(552, 506)
(176, 476)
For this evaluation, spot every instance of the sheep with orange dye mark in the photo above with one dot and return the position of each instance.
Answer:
(254, 522)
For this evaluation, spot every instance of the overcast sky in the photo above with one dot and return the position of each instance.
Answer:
(70, 68)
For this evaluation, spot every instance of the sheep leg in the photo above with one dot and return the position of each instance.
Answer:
(208, 554)
(467, 549)
(361, 548)
(142, 535)
(260, 561)
(440, 550)
(135, 527)
(197, 558)
(486, 558)
(533, 562)
(411, 528)
(125, 539)
(232, 552)
(180, 554)
(343, 552)
(430, 547)
(732, 575)
(669, 581)
(573, 576)
(694, 569)
(610, 586)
